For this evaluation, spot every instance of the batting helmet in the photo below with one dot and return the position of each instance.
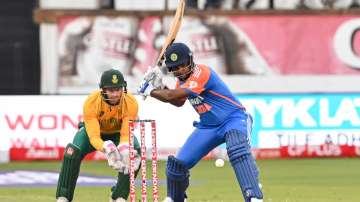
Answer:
(177, 54)
(112, 78)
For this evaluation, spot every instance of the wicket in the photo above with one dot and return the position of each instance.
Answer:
(142, 124)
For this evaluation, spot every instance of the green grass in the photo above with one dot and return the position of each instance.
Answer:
(296, 180)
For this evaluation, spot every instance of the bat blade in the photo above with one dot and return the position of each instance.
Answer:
(174, 29)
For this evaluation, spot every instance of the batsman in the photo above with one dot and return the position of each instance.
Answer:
(105, 128)
(223, 119)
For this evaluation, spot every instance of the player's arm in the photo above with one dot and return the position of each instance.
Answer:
(194, 85)
(92, 126)
(176, 97)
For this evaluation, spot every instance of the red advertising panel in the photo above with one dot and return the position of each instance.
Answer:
(285, 44)
(231, 45)
(305, 44)
(308, 151)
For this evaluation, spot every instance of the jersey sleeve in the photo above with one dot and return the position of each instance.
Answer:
(196, 83)
(131, 113)
(92, 125)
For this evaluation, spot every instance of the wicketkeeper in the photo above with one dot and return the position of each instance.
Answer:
(223, 119)
(106, 115)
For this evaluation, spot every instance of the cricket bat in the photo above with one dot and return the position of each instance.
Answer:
(174, 29)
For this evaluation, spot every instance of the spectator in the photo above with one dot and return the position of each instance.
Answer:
(192, 4)
(286, 4)
(207, 4)
(355, 4)
(252, 4)
(107, 4)
(328, 4)
(213, 4)
(292, 4)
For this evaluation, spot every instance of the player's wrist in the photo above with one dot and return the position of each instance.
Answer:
(153, 91)
(149, 89)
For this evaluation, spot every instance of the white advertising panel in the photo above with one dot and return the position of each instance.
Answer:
(285, 125)
(51, 121)
(39, 121)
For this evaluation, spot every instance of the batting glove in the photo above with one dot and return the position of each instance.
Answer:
(145, 88)
(155, 75)
(151, 73)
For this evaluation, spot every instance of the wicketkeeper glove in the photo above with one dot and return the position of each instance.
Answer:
(113, 156)
(125, 157)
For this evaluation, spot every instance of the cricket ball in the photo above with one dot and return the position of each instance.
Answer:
(219, 163)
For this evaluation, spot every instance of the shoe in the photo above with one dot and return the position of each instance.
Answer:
(168, 199)
(120, 200)
(62, 199)
(117, 200)
(256, 200)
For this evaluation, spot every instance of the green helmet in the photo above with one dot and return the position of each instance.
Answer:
(112, 78)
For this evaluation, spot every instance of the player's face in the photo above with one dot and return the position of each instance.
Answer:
(181, 71)
(113, 95)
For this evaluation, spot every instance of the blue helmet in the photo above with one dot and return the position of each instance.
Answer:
(177, 54)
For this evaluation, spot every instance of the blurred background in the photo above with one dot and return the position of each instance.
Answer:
(294, 64)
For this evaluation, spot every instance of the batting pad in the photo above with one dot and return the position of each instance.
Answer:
(177, 179)
(243, 164)
(69, 172)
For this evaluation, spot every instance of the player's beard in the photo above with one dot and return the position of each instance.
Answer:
(114, 100)
(184, 76)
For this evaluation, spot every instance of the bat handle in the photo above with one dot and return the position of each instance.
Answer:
(143, 88)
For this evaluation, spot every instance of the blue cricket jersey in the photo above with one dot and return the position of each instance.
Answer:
(210, 97)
